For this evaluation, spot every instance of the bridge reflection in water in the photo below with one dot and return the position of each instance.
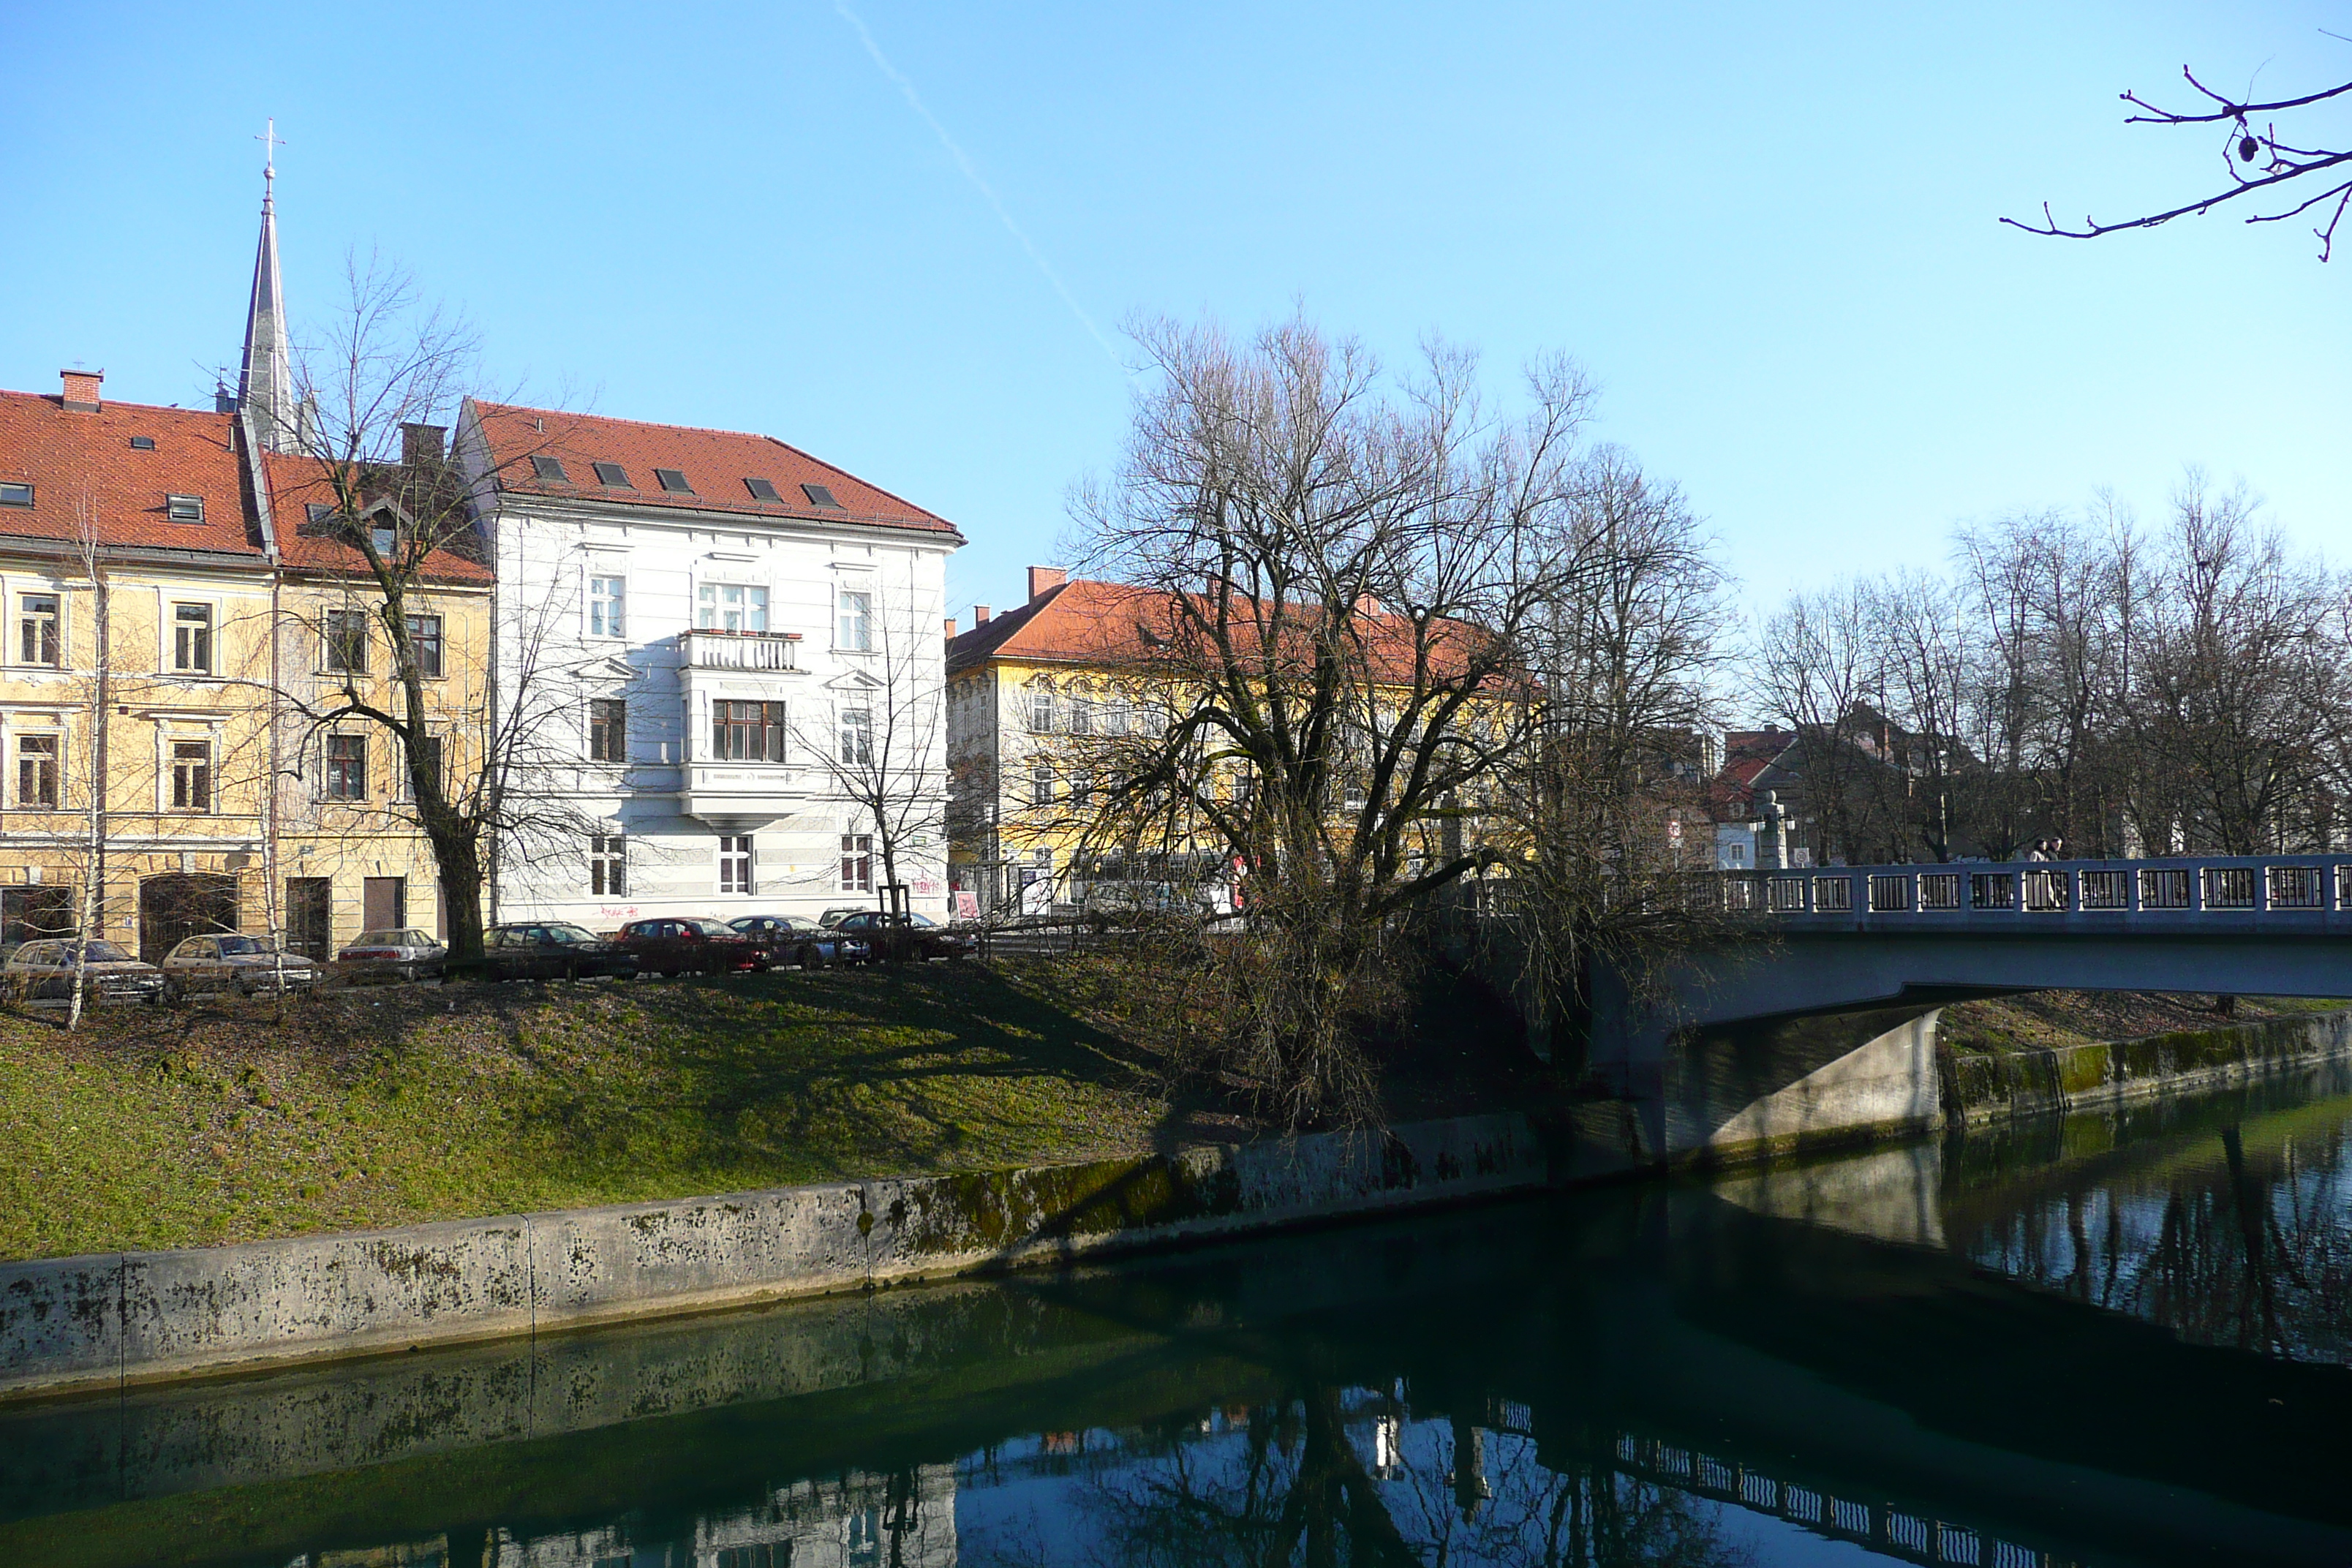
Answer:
(2113, 1340)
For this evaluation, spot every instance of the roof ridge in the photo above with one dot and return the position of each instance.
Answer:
(111, 404)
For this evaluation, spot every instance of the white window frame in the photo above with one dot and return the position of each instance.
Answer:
(593, 607)
(211, 764)
(857, 862)
(862, 587)
(608, 864)
(738, 865)
(1039, 701)
(17, 629)
(172, 663)
(17, 739)
(748, 610)
(854, 746)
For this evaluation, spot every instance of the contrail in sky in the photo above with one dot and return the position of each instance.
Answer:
(915, 103)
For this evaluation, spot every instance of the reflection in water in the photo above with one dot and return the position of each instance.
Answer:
(2117, 1340)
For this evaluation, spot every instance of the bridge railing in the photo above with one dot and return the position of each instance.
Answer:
(2288, 889)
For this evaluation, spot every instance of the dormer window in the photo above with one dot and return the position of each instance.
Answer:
(185, 509)
(821, 496)
(552, 470)
(14, 494)
(673, 480)
(763, 489)
(316, 512)
(613, 477)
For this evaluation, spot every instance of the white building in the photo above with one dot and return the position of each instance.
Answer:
(719, 660)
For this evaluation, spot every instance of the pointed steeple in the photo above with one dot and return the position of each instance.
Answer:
(265, 385)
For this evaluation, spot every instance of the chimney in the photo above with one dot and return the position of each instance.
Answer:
(420, 446)
(1043, 580)
(980, 614)
(950, 628)
(81, 389)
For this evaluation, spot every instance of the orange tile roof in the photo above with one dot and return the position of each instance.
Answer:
(69, 456)
(715, 462)
(296, 482)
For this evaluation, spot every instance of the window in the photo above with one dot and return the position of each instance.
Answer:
(424, 754)
(551, 470)
(857, 737)
(1082, 713)
(763, 489)
(142, 443)
(185, 509)
(606, 597)
(614, 476)
(13, 493)
(37, 621)
(735, 863)
(425, 643)
(347, 767)
(673, 480)
(1114, 715)
(820, 495)
(1041, 707)
(857, 862)
(383, 535)
(608, 729)
(608, 864)
(346, 640)
(192, 776)
(316, 512)
(747, 732)
(37, 770)
(856, 619)
(191, 637)
(1041, 784)
(731, 607)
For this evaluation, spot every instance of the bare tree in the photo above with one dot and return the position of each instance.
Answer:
(880, 738)
(1339, 582)
(2261, 165)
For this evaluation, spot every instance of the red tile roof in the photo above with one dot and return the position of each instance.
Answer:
(715, 463)
(295, 482)
(70, 457)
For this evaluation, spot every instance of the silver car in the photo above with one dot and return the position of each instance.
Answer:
(233, 962)
(399, 953)
(43, 973)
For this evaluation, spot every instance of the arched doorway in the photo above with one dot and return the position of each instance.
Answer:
(181, 905)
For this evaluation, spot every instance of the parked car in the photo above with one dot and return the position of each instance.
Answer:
(231, 962)
(551, 951)
(840, 912)
(682, 945)
(43, 973)
(894, 938)
(402, 954)
(798, 941)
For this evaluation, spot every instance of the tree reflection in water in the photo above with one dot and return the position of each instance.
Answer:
(2249, 1245)
(1331, 1477)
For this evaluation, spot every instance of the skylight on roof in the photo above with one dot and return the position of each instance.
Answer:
(185, 509)
(142, 443)
(550, 468)
(615, 475)
(819, 495)
(14, 494)
(317, 511)
(674, 480)
(763, 489)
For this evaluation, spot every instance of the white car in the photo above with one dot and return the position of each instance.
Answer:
(233, 961)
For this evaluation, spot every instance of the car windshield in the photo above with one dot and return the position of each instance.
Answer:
(101, 953)
(238, 946)
(570, 934)
(710, 928)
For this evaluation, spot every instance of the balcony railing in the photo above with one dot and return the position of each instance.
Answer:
(707, 649)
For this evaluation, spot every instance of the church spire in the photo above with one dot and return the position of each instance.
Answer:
(265, 385)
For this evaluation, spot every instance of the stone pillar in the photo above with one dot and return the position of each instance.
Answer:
(1772, 835)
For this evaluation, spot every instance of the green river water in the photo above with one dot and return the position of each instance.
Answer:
(2117, 1338)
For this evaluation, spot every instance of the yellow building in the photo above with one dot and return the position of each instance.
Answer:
(159, 632)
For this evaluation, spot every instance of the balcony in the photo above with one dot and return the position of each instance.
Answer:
(767, 652)
(741, 797)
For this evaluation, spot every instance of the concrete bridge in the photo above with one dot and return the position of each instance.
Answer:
(1817, 1017)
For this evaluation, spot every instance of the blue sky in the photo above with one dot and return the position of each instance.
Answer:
(1768, 233)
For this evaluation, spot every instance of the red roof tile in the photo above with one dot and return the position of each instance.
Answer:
(70, 457)
(295, 482)
(715, 462)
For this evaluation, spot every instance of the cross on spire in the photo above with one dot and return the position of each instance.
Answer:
(270, 142)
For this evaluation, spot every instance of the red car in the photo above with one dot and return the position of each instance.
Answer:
(689, 945)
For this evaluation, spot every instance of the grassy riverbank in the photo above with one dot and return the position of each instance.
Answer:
(193, 1126)
(2044, 1020)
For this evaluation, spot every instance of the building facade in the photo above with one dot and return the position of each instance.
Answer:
(720, 672)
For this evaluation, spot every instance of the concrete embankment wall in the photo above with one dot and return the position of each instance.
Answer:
(1980, 1088)
(120, 1317)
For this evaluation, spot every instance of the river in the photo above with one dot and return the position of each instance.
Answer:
(2111, 1339)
